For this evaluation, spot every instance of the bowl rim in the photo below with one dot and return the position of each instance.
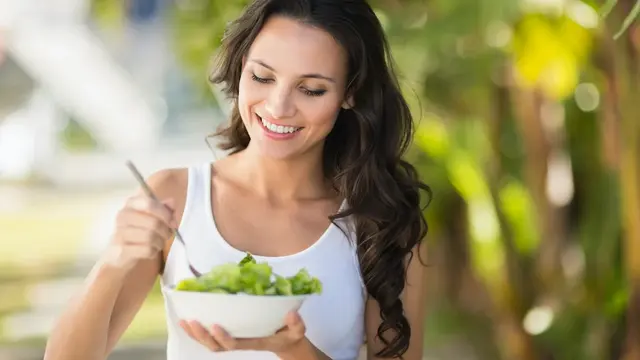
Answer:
(170, 289)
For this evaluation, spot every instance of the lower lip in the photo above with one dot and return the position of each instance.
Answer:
(277, 136)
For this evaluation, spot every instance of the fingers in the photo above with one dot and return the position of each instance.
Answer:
(217, 339)
(161, 211)
(132, 224)
(145, 221)
(223, 338)
(187, 329)
(201, 335)
(143, 226)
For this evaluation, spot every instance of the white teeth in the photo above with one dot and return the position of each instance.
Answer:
(280, 129)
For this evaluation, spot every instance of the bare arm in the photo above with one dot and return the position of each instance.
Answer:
(117, 285)
(85, 331)
(413, 301)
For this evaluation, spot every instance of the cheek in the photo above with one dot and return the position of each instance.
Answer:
(322, 114)
(243, 90)
(247, 96)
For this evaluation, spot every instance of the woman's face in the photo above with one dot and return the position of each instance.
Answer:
(291, 88)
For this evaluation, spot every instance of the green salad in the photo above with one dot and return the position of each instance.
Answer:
(251, 277)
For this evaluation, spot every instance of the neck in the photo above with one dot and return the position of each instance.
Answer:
(296, 178)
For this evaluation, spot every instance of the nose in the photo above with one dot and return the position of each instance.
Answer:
(280, 103)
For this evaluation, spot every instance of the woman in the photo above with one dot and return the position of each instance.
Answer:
(316, 138)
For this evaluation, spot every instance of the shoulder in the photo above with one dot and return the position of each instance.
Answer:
(168, 182)
(171, 183)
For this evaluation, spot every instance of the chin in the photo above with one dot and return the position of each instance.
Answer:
(276, 151)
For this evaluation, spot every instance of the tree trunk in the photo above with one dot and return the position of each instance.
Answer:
(630, 180)
(514, 297)
(538, 148)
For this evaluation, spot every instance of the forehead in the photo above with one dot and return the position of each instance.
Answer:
(292, 47)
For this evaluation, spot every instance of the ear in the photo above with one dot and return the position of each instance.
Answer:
(348, 103)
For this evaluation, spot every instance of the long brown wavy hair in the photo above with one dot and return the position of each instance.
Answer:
(363, 154)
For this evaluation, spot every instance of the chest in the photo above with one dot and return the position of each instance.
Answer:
(270, 230)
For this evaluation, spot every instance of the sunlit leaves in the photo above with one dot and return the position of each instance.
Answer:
(519, 210)
(198, 27)
(549, 53)
(432, 137)
(108, 13)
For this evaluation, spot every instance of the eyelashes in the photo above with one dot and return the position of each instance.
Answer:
(307, 92)
(313, 92)
(254, 77)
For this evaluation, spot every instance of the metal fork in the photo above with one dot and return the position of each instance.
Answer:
(150, 194)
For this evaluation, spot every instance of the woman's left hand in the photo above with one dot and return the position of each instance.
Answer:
(217, 339)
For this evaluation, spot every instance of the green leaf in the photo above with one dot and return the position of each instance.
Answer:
(253, 278)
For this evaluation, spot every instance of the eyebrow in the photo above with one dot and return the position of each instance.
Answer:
(312, 76)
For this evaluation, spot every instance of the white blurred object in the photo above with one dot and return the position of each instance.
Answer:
(16, 147)
(560, 187)
(49, 41)
(13, 12)
(29, 324)
(28, 137)
(82, 79)
(77, 75)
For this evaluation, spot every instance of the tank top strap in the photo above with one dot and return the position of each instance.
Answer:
(194, 215)
(198, 192)
(205, 182)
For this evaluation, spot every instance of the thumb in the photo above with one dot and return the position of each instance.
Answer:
(294, 322)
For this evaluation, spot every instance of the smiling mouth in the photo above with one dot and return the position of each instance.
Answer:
(279, 129)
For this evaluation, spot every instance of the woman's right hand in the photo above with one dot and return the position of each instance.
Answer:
(143, 226)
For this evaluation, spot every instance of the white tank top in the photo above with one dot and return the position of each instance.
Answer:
(334, 320)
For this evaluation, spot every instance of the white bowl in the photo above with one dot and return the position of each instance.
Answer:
(241, 315)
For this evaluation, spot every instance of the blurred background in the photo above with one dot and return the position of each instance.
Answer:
(528, 132)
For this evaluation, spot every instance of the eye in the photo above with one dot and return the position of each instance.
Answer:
(313, 92)
(255, 77)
